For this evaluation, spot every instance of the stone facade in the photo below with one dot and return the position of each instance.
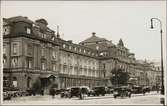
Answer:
(33, 52)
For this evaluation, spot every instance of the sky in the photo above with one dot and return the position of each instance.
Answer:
(129, 20)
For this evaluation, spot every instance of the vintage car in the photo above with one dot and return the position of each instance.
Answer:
(138, 90)
(6, 95)
(79, 91)
(100, 90)
(122, 91)
(65, 93)
(91, 92)
(10, 92)
(109, 90)
(147, 89)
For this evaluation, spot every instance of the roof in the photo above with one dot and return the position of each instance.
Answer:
(18, 19)
(93, 38)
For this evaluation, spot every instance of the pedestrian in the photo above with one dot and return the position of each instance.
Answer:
(42, 91)
(80, 93)
(52, 92)
(157, 89)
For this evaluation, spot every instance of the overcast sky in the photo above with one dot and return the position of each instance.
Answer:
(110, 19)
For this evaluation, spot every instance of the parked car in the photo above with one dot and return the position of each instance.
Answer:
(91, 92)
(138, 90)
(58, 91)
(10, 92)
(146, 89)
(6, 95)
(65, 93)
(100, 90)
(122, 91)
(79, 91)
(109, 90)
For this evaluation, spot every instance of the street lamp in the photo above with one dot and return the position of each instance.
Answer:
(162, 69)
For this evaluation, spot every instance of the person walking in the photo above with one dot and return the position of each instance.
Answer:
(52, 92)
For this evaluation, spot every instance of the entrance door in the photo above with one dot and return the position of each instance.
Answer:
(44, 82)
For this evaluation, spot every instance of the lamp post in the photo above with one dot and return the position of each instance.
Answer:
(162, 68)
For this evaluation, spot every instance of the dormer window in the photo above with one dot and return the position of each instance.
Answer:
(53, 38)
(70, 47)
(43, 35)
(75, 49)
(28, 30)
(97, 47)
(101, 54)
(64, 46)
(6, 30)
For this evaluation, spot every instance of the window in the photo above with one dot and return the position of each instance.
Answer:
(29, 63)
(28, 30)
(6, 30)
(64, 46)
(14, 81)
(42, 52)
(75, 49)
(14, 49)
(53, 38)
(104, 66)
(14, 62)
(70, 47)
(101, 54)
(84, 50)
(97, 47)
(4, 50)
(44, 35)
(4, 60)
(53, 54)
(43, 65)
(30, 50)
(54, 67)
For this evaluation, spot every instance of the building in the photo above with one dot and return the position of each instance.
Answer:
(33, 54)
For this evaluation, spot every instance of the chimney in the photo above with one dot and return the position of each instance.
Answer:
(93, 33)
(58, 35)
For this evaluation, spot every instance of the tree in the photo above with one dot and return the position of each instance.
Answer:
(119, 77)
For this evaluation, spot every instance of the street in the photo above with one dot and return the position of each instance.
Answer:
(149, 98)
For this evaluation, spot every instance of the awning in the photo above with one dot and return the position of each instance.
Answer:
(47, 76)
